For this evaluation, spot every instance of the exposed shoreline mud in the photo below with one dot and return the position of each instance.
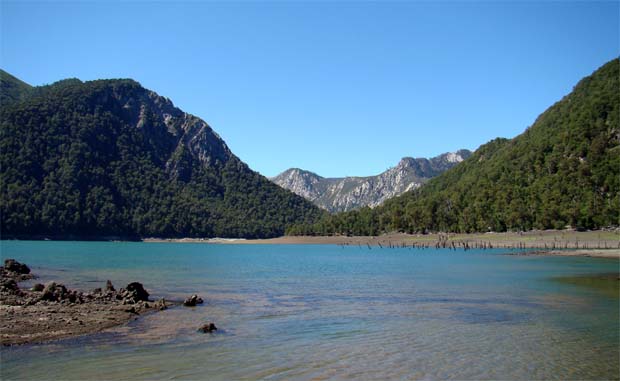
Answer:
(51, 312)
(596, 243)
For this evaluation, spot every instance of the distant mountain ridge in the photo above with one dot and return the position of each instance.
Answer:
(111, 158)
(563, 171)
(347, 193)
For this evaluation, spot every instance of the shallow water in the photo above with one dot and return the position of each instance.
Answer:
(328, 312)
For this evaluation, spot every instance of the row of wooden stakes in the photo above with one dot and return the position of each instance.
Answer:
(469, 245)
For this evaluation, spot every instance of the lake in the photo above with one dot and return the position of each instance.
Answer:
(314, 312)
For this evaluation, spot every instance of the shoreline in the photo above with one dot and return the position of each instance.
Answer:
(53, 312)
(603, 243)
(594, 253)
(597, 243)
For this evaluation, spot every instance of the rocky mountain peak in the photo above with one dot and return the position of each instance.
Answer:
(406, 162)
(342, 194)
(299, 181)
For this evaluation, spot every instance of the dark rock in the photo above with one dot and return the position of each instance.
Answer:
(192, 301)
(72, 296)
(37, 287)
(161, 304)
(16, 267)
(8, 285)
(109, 286)
(135, 292)
(54, 292)
(208, 328)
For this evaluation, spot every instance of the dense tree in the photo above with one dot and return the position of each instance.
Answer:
(109, 157)
(562, 171)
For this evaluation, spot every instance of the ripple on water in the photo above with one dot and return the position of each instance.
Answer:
(312, 313)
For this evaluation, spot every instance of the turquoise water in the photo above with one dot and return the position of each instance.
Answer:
(315, 312)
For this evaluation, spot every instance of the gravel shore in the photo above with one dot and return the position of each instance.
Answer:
(52, 312)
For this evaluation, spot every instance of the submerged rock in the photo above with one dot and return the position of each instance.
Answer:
(208, 328)
(192, 301)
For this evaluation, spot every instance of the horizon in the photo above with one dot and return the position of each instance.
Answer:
(368, 88)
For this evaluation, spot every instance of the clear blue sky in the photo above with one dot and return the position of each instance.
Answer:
(342, 88)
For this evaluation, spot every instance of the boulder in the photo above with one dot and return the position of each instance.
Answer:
(134, 293)
(208, 328)
(75, 297)
(37, 287)
(8, 285)
(109, 286)
(160, 304)
(192, 301)
(54, 292)
(16, 267)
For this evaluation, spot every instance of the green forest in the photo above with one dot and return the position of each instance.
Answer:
(562, 171)
(110, 158)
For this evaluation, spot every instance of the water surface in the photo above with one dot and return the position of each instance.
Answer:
(330, 312)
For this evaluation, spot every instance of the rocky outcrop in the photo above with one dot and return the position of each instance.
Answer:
(342, 194)
(160, 304)
(9, 286)
(13, 266)
(54, 292)
(134, 293)
(192, 301)
(54, 311)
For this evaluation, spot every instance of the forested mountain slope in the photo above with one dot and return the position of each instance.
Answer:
(563, 170)
(12, 89)
(111, 158)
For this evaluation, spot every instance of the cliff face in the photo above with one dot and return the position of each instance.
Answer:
(185, 139)
(343, 194)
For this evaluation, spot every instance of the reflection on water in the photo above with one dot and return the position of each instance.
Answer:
(325, 312)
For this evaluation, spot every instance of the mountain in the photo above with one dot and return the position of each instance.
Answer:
(111, 158)
(347, 193)
(562, 171)
(12, 89)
